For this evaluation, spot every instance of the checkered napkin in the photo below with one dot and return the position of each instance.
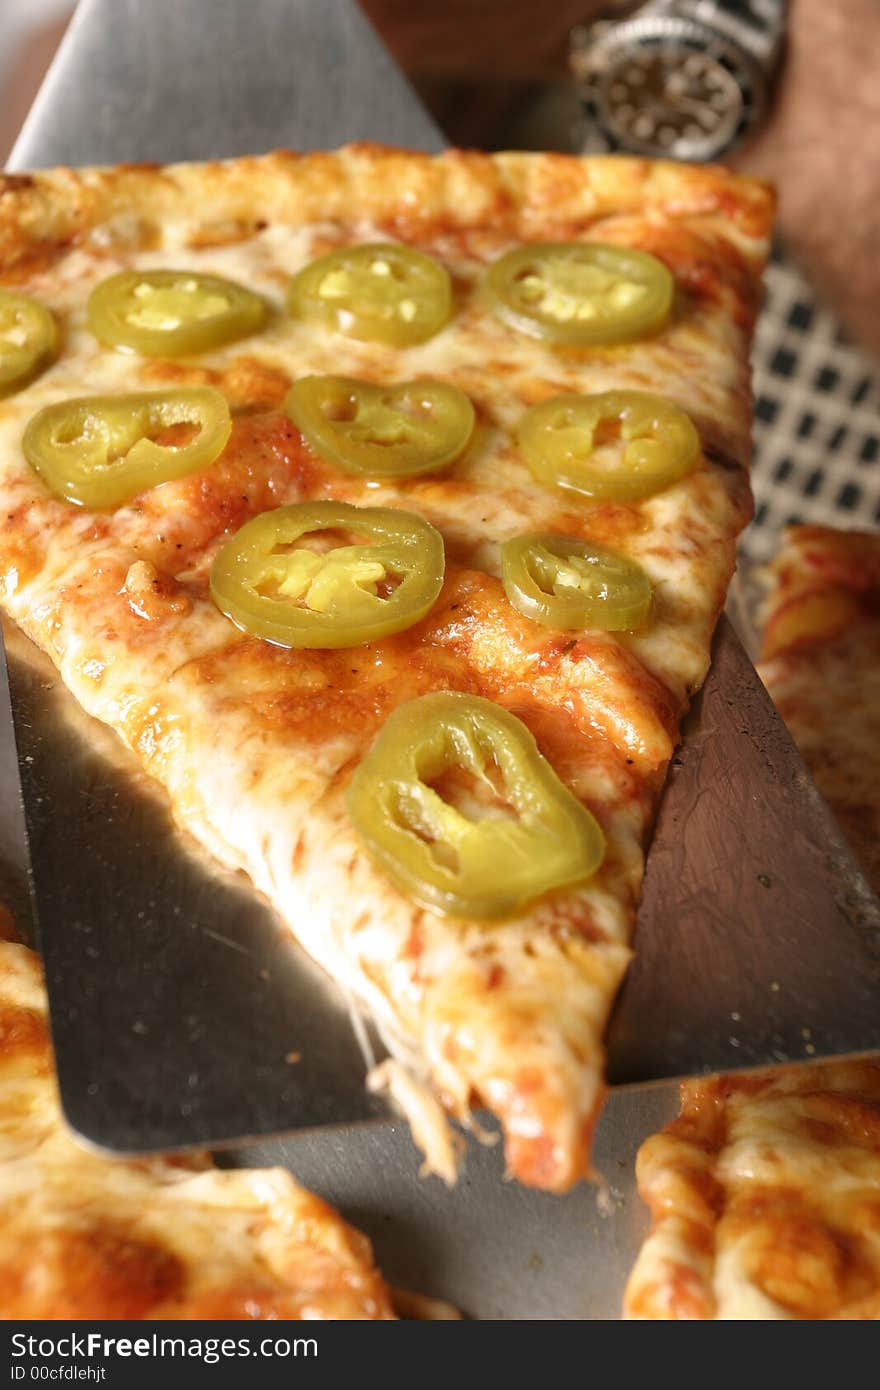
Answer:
(817, 419)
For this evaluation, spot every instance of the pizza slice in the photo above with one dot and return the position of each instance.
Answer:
(765, 1192)
(385, 506)
(820, 660)
(85, 1236)
(765, 1198)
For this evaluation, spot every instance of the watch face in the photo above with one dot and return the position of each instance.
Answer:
(670, 100)
(661, 84)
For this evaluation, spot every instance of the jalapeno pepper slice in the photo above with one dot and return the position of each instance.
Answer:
(172, 313)
(28, 339)
(571, 585)
(379, 293)
(466, 859)
(382, 431)
(581, 292)
(337, 596)
(616, 446)
(100, 451)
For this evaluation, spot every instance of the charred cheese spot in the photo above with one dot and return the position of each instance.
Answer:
(24, 263)
(152, 595)
(796, 1260)
(100, 1271)
(843, 1119)
(227, 232)
(24, 1038)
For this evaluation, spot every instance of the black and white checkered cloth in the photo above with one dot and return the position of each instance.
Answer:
(817, 419)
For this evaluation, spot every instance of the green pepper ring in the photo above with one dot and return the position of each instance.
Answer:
(407, 546)
(405, 305)
(71, 442)
(513, 288)
(485, 869)
(660, 444)
(427, 444)
(616, 599)
(111, 303)
(20, 363)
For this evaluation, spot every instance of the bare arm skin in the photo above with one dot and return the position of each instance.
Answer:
(821, 148)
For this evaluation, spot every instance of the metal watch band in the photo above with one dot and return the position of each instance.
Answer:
(756, 26)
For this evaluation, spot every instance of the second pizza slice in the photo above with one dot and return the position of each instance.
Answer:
(385, 505)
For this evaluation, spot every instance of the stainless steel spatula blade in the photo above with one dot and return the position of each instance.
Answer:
(178, 1003)
(181, 1011)
(15, 863)
(758, 938)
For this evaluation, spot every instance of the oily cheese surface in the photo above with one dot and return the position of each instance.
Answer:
(83, 1236)
(255, 744)
(765, 1195)
(821, 664)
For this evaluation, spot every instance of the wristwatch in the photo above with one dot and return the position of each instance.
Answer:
(680, 79)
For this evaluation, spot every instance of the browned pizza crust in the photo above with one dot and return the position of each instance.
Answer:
(523, 196)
